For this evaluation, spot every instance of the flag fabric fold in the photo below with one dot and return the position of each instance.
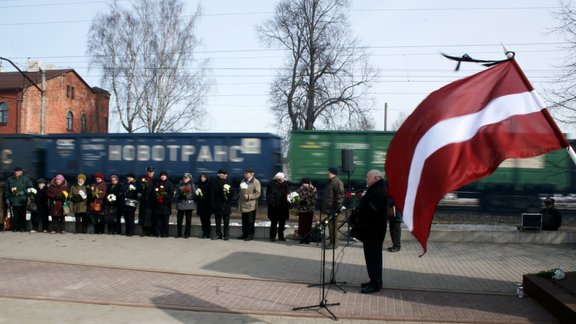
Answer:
(461, 133)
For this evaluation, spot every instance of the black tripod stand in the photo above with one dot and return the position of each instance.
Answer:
(332, 281)
(323, 301)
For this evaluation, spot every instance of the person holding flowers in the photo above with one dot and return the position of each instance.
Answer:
(17, 199)
(146, 211)
(57, 195)
(163, 192)
(305, 206)
(130, 197)
(250, 189)
(278, 206)
(97, 196)
(185, 194)
(79, 198)
(112, 206)
(221, 199)
(40, 216)
(203, 204)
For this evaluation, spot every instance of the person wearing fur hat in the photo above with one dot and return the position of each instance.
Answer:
(278, 206)
(185, 195)
(112, 206)
(163, 193)
(96, 199)
(40, 216)
(146, 208)
(129, 201)
(79, 198)
(250, 189)
(203, 204)
(221, 199)
(333, 197)
(15, 193)
(57, 194)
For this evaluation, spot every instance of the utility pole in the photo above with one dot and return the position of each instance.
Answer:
(42, 90)
(43, 103)
(385, 115)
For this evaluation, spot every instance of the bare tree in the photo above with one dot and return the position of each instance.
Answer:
(146, 55)
(399, 121)
(326, 75)
(563, 96)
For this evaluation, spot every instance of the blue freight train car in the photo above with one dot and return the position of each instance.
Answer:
(175, 153)
(25, 151)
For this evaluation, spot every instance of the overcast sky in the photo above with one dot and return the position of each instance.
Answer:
(404, 38)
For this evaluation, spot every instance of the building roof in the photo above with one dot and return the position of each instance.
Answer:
(16, 81)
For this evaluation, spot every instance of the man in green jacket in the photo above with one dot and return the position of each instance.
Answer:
(15, 193)
(333, 198)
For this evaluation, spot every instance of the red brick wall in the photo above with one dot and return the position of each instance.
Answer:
(10, 99)
(85, 101)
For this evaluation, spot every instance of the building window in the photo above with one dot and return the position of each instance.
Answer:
(3, 113)
(70, 92)
(70, 121)
(83, 123)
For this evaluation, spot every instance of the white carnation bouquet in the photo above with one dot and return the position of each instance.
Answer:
(111, 197)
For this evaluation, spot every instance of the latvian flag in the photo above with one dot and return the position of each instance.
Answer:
(461, 133)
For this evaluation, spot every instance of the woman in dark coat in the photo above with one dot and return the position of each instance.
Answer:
(57, 194)
(97, 194)
(203, 204)
(278, 206)
(40, 216)
(162, 195)
(185, 194)
(308, 195)
(113, 214)
(129, 193)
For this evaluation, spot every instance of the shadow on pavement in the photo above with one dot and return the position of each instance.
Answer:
(184, 307)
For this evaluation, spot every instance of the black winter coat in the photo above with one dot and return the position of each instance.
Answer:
(369, 218)
(163, 202)
(277, 199)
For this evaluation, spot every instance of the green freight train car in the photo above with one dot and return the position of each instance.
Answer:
(516, 184)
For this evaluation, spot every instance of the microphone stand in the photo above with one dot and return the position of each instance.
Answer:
(333, 274)
(323, 301)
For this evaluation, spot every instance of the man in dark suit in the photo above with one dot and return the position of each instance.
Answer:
(221, 196)
(369, 226)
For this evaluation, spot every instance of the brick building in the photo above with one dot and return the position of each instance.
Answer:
(72, 106)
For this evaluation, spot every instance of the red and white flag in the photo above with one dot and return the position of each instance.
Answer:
(461, 133)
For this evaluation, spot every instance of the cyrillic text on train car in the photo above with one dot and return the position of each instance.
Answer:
(184, 153)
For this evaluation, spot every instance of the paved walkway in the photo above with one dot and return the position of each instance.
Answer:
(101, 278)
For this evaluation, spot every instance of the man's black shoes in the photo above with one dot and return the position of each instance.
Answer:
(370, 289)
(393, 249)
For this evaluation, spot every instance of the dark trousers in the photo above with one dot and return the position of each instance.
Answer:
(58, 224)
(225, 219)
(305, 225)
(129, 221)
(97, 222)
(248, 220)
(277, 225)
(179, 220)
(82, 221)
(395, 232)
(206, 226)
(373, 257)
(19, 220)
(40, 218)
(161, 225)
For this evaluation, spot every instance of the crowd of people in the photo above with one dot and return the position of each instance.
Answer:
(114, 206)
(99, 207)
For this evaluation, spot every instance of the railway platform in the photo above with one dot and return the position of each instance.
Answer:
(80, 278)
